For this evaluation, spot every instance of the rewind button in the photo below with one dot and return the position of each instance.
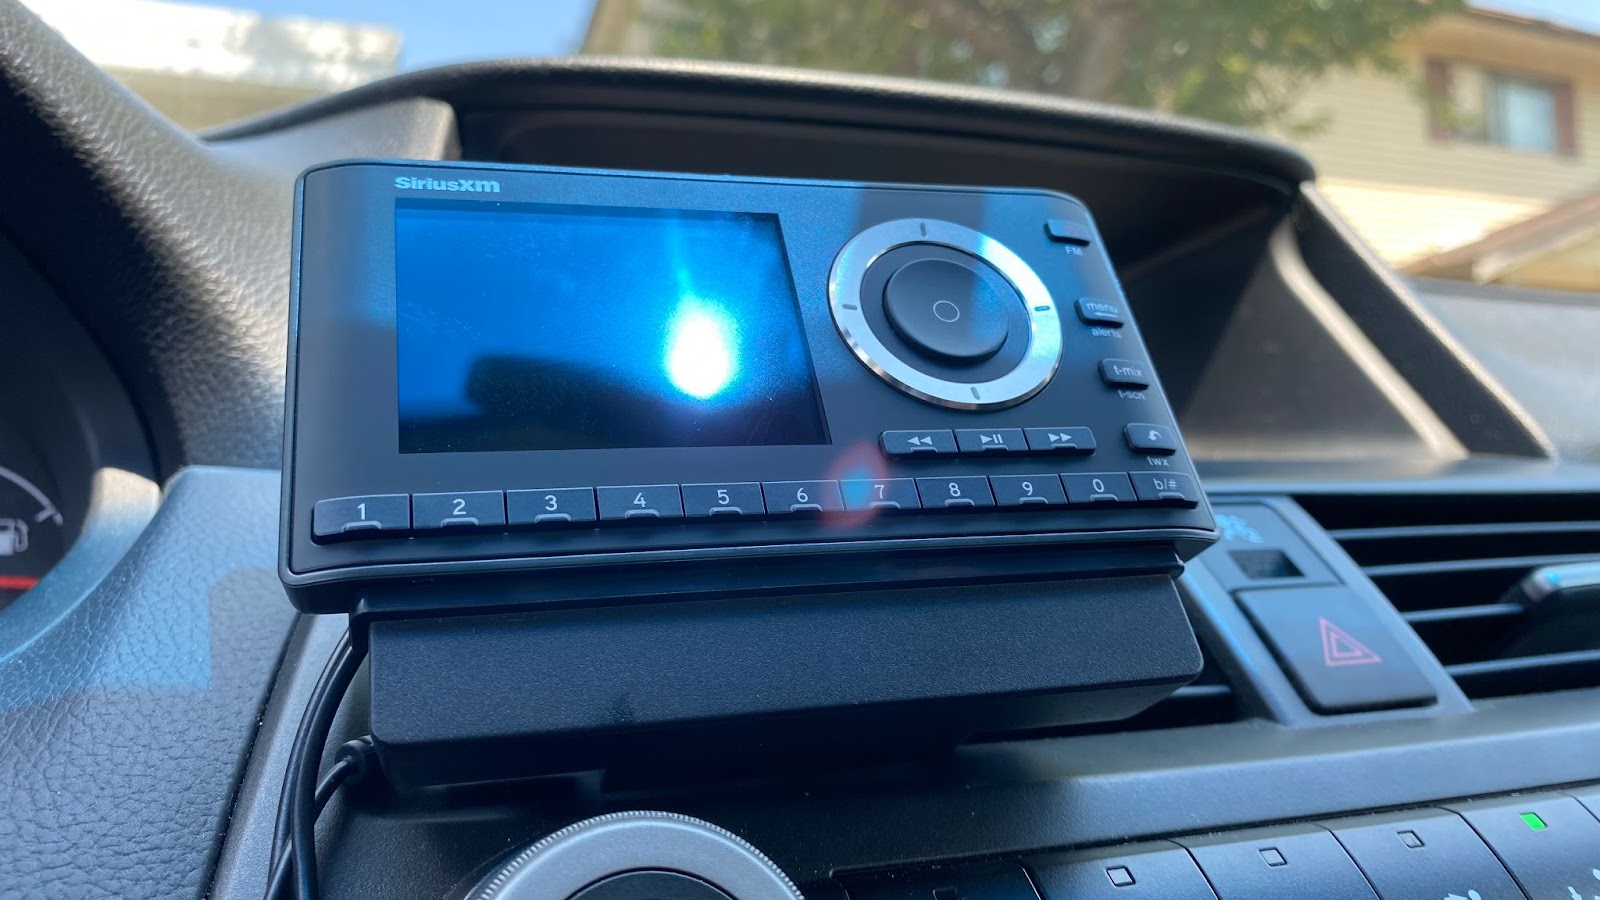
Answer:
(1071, 441)
(914, 443)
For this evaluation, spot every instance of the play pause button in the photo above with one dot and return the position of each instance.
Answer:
(990, 440)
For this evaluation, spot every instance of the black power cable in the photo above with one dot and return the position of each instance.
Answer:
(302, 798)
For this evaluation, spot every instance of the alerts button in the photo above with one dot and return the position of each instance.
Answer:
(1341, 653)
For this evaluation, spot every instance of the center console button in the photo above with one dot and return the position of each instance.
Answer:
(948, 309)
(936, 442)
(736, 499)
(1073, 441)
(640, 501)
(1549, 842)
(785, 497)
(1098, 487)
(1425, 853)
(1160, 871)
(990, 440)
(881, 493)
(1027, 490)
(1302, 862)
(549, 506)
(954, 492)
(469, 509)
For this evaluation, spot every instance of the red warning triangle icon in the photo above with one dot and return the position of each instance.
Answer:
(1340, 649)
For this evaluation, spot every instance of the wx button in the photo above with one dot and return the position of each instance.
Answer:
(911, 443)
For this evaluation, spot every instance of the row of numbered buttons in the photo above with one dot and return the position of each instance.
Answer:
(491, 509)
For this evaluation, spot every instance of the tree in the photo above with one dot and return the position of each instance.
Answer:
(1243, 62)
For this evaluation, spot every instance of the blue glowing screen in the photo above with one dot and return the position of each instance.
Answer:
(539, 327)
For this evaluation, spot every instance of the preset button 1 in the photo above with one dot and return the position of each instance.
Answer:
(640, 501)
(354, 516)
(550, 506)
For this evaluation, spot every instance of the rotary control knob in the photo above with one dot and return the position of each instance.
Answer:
(945, 314)
(638, 856)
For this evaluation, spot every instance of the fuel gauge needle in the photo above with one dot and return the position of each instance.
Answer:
(17, 582)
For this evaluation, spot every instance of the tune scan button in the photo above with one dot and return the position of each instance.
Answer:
(947, 309)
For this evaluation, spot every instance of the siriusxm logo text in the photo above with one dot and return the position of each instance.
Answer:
(463, 186)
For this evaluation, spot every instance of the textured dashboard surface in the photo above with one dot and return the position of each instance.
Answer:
(123, 730)
(174, 254)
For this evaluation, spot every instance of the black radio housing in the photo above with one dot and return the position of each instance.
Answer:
(343, 428)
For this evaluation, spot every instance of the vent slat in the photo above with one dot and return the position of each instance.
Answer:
(1448, 562)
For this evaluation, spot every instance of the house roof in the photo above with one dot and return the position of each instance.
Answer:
(1556, 229)
(1548, 27)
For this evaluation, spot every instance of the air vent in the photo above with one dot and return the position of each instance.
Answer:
(1447, 563)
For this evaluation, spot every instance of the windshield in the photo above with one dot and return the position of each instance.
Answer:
(1462, 140)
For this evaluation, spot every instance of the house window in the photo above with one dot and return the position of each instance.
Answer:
(1470, 102)
(1520, 113)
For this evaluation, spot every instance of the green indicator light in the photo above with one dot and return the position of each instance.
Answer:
(1533, 821)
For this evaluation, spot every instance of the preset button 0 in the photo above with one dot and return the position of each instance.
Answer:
(640, 501)
(1098, 487)
(470, 509)
(785, 497)
(550, 506)
(737, 499)
(354, 516)
(955, 491)
(881, 493)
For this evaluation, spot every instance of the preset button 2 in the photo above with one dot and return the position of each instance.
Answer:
(470, 509)
(640, 501)
(550, 506)
(737, 499)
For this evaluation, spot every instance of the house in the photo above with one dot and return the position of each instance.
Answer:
(1481, 161)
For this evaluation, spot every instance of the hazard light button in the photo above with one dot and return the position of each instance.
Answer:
(1341, 654)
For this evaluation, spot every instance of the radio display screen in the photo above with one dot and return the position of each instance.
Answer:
(545, 327)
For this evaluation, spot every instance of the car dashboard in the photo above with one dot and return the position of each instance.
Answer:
(1392, 466)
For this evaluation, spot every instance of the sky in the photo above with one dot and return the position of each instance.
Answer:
(437, 33)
